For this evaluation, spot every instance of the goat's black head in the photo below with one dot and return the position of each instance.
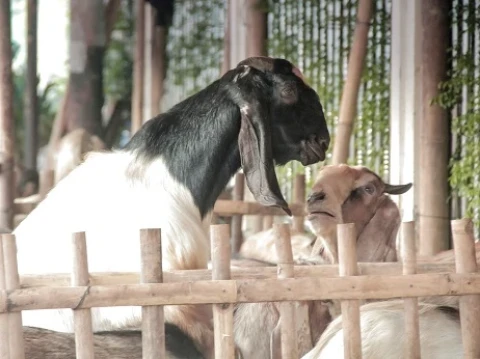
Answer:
(281, 120)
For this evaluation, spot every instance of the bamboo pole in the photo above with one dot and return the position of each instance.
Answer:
(139, 67)
(267, 222)
(347, 259)
(47, 181)
(434, 138)
(7, 124)
(153, 322)
(287, 309)
(31, 98)
(236, 223)
(242, 291)
(12, 281)
(82, 318)
(465, 261)
(4, 329)
(412, 329)
(222, 313)
(299, 198)
(229, 208)
(348, 104)
(175, 276)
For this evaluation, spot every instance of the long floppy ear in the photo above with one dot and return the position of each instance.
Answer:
(254, 142)
(377, 241)
(251, 92)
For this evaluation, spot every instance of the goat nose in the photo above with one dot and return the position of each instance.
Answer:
(324, 143)
(316, 196)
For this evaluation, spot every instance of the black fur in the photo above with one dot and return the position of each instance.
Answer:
(198, 138)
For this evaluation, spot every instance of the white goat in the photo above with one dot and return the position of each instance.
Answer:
(169, 176)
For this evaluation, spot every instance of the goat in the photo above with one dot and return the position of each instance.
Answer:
(382, 331)
(169, 175)
(340, 194)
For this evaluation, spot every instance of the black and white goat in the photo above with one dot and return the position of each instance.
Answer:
(258, 115)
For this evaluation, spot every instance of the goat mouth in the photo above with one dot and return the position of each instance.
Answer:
(315, 214)
(313, 150)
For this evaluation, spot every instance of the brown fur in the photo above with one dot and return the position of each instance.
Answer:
(341, 192)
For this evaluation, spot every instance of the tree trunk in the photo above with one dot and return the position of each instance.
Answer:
(7, 139)
(226, 41)
(31, 107)
(59, 123)
(138, 67)
(434, 146)
(257, 29)
(159, 42)
(87, 46)
(348, 104)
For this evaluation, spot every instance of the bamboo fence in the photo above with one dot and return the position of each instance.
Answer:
(290, 286)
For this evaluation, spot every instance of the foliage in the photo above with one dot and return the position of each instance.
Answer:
(460, 94)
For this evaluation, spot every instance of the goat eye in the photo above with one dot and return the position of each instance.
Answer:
(289, 93)
(370, 189)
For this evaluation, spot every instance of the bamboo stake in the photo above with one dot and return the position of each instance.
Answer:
(175, 276)
(242, 291)
(153, 322)
(348, 104)
(139, 67)
(47, 181)
(222, 313)
(347, 255)
(267, 222)
(82, 318)
(4, 329)
(287, 309)
(238, 193)
(412, 330)
(465, 261)
(12, 281)
(299, 198)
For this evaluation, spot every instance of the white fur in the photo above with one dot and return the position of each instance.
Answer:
(104, 199)
(383, 334)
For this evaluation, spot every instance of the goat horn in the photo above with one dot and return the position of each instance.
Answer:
(397, 189)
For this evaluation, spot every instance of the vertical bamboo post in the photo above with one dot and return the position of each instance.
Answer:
(82, 318)
(153, 322)
(465, 262)
(12, 281)
(287, 309)
(347, 256)
(348, 103)
(267, 222)
(238, 193)
(412, 330)
(4, 329)
(299, 198)
(222, 313)
(47, 179)
(139, 67)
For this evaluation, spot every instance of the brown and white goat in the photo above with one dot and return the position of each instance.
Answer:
(341, 194)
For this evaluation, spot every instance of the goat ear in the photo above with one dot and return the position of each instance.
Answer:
(397, 189)
(377, 241)
(254, 142)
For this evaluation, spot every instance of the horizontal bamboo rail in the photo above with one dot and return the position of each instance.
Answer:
(242, 291)
(175, 276)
